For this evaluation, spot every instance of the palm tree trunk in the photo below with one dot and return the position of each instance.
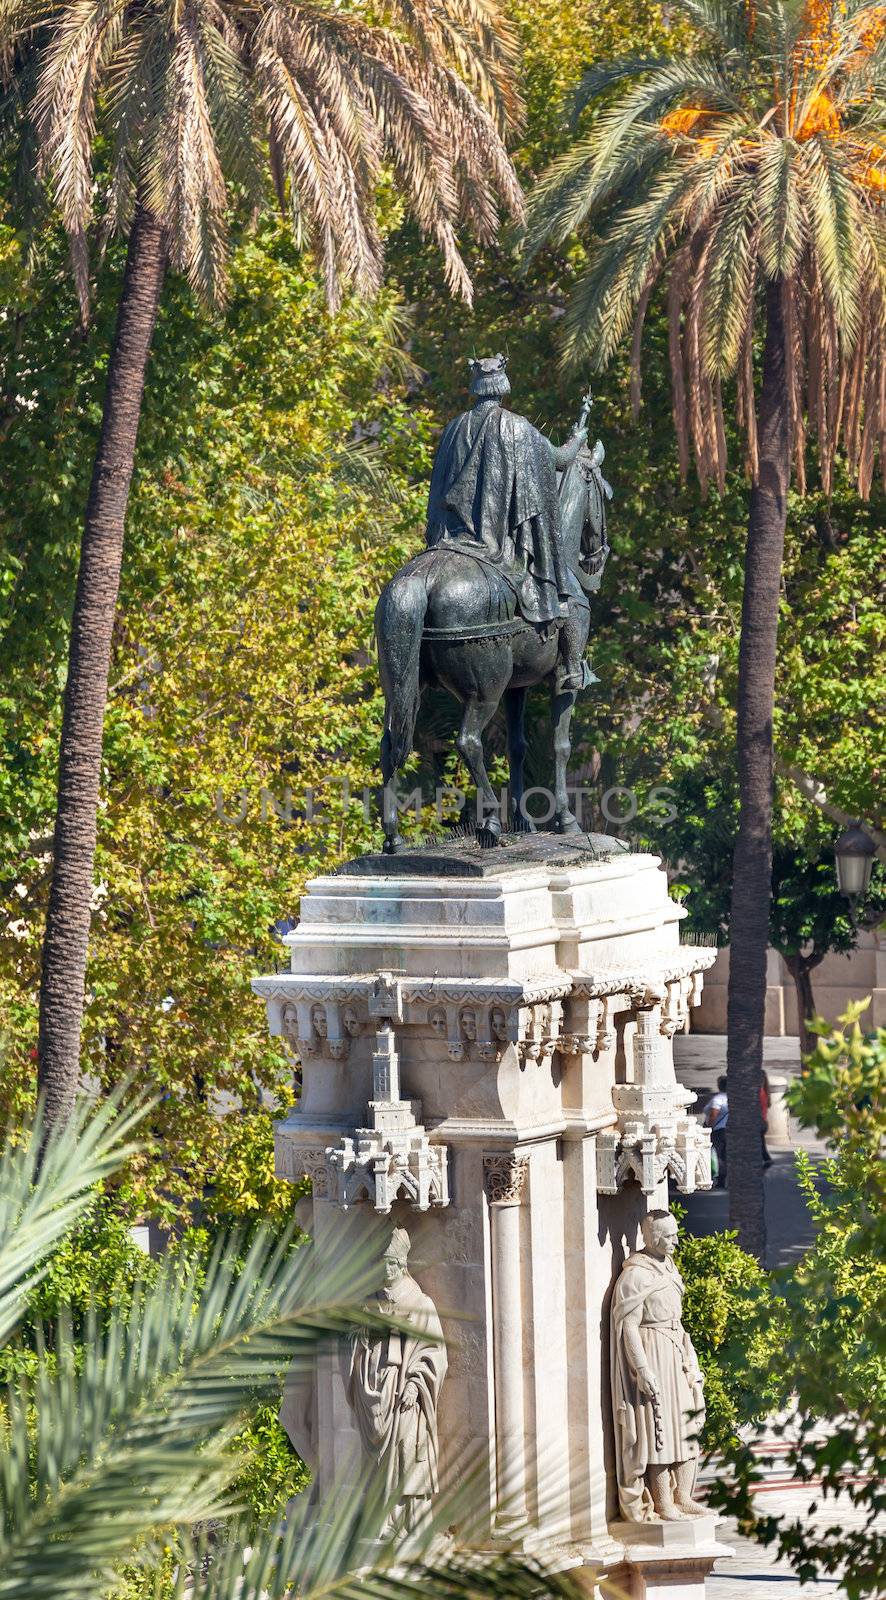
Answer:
(98, 580)
(752, 861)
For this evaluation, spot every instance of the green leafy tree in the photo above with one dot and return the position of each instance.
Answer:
(727, 1301)
(808, 917)
(196, 105)
(829, 1352)
(241, 668)
(750, 171)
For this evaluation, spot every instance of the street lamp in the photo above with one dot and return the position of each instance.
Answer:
(854, 852)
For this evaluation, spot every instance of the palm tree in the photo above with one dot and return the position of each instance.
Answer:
(751, 174)
(194, 103)
(121, 1442)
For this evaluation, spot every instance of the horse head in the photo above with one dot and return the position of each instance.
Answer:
(583, 496)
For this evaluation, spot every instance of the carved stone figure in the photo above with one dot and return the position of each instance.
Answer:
(499, 599)
(657, 1399)
(393, 1386)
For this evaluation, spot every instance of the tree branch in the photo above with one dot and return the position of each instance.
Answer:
(813, 789)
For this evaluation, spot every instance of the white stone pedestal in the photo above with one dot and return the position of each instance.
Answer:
(669, 1560)
(485, 1042)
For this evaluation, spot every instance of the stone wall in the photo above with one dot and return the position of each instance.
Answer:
(835, 982)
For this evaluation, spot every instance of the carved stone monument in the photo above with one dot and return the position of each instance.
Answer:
(485, 1041)
(485, 1036)
(657, 1399)
(393, 1387)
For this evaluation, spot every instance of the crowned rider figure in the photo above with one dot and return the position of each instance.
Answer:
(493, 496)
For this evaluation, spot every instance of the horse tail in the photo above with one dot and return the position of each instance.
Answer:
(399, 619)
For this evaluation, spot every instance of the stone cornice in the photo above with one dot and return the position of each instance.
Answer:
(288, 988)
(651, 978)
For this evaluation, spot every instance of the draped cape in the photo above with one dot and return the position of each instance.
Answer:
(493, 495)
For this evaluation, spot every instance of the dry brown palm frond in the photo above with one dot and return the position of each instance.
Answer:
(64, 110)
(477, 38)
(200, 97)
(676, 295)
(637, 348)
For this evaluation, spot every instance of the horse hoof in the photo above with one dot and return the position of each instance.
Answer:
(521, 823)
(393, 847)
(489, 834)
(567, 824)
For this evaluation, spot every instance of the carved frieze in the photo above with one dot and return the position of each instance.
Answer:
(504, 1175)
(683, 1155)
(296, 1162)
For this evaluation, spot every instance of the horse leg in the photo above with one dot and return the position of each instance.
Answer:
(515, 712)
(393, 838)
(469, 744)
(563, 702)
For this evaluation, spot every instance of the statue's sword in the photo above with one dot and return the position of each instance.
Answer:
(586, 403)
(656, 1421)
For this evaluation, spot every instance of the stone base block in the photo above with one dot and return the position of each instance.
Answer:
(669, 1560)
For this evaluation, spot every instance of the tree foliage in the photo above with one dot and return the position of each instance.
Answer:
(727, 1302)
(828, 1360)
(756, 156)
(261, 534)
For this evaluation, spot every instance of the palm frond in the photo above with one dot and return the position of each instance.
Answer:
(602, 76)
(698, 81)
(331, 1547)
(45, 1186)
(629, 249)
(137, 1437)
(576, 184)
(64, 109)
(779, 207)
(833, 217)
(478, 39)
(723, 21)
(730, 277)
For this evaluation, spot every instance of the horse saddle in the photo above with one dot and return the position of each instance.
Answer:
(502, 596)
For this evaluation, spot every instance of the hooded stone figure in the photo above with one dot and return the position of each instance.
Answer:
(493, 495)
(657, 1399)
(393, 1387)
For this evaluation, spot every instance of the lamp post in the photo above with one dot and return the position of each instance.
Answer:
(854, 853)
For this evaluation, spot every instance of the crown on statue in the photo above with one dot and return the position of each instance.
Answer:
(489, 377)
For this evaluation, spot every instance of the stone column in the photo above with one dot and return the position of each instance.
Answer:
(504, 1175)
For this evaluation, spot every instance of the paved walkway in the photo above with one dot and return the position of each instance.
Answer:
(753, 1574)
(699, 1060)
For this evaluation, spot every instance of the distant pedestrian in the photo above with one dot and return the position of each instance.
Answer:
(716, 1116)
(765, 1098)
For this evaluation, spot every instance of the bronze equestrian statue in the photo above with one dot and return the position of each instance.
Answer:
(498, 602)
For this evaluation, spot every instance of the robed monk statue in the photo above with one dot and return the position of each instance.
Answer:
(393, 1386)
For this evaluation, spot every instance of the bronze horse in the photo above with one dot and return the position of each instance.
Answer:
(449, 618)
